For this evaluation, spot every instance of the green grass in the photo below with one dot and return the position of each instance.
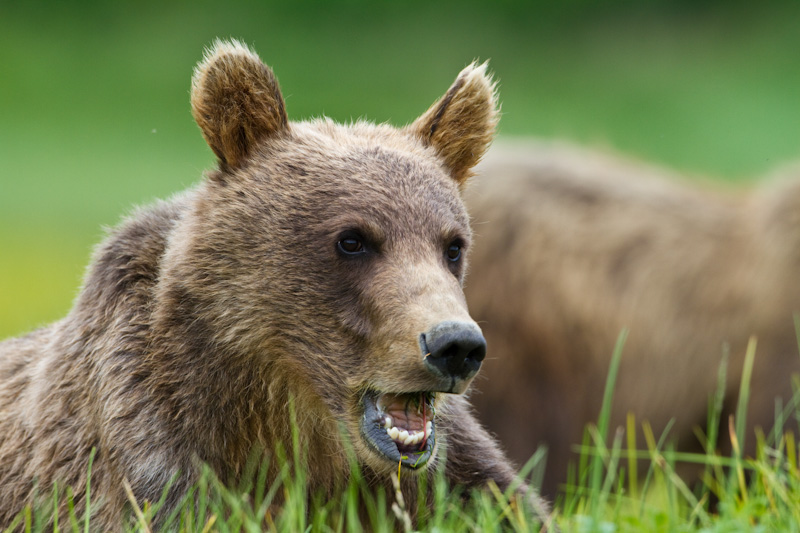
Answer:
(94, 111)
(736, 492)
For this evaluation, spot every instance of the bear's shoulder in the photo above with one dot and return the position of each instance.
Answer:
(128, 261)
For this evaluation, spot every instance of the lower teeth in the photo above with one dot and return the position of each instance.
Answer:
(403, 436)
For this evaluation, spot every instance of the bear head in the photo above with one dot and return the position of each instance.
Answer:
(334, 255)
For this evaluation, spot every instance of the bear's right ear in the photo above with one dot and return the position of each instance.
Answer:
(236, 101)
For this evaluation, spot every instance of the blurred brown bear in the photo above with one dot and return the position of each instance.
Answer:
(572, 246)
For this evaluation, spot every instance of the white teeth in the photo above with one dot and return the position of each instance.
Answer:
(403, 436)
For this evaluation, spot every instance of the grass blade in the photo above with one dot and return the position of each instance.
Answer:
(89, 491)
(744, 392)
(604, 418)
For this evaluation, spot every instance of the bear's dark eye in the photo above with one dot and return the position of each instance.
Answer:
(454, 252)
(350, 245)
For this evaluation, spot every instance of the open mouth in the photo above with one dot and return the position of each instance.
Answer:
(400, 426)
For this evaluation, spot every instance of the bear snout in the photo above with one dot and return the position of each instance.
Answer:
(454, 351)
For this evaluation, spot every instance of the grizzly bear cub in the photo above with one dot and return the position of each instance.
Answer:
(318, 269)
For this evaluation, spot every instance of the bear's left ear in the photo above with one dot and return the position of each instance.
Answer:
(461, 124)
(236, 101)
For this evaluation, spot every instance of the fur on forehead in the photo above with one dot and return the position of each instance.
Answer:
(238, 105)
(362, 168)
(330, 137)
(360, 151)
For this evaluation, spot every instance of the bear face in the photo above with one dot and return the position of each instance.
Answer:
(336, 252)
(331, 243)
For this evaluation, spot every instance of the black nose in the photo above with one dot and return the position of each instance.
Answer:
(453, 350)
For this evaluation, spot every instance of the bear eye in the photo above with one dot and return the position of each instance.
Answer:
(350, 245)
(454, 252)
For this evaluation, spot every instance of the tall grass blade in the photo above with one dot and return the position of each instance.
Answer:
(55, 507)
(140, 518)
(633, 474)
(744, 393)
(611, 469)
(604, 418)
(14, 523)
(89, 490)
(717, 401)
(73, 518)
(530, 468)
(654, 449)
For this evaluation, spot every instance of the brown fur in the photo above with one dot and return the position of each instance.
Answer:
(204, 317)
(572, 246)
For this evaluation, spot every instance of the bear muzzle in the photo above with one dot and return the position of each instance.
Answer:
(401, 426)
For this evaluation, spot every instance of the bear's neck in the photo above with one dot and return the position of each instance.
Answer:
(235, 402)
(191, 393)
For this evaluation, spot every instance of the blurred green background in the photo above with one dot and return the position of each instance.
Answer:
(94, 103)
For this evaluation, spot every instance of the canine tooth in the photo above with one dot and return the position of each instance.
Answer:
(394, 433)
(428, 427)
(403, 436)
(387, 422)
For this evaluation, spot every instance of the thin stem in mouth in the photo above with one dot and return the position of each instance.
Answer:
(424, 421)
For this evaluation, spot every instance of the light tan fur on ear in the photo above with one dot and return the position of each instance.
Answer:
(460, 125)
(236, 101)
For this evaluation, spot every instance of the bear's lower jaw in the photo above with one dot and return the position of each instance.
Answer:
(399, 427)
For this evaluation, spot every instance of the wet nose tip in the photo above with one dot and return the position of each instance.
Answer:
(454, 349)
